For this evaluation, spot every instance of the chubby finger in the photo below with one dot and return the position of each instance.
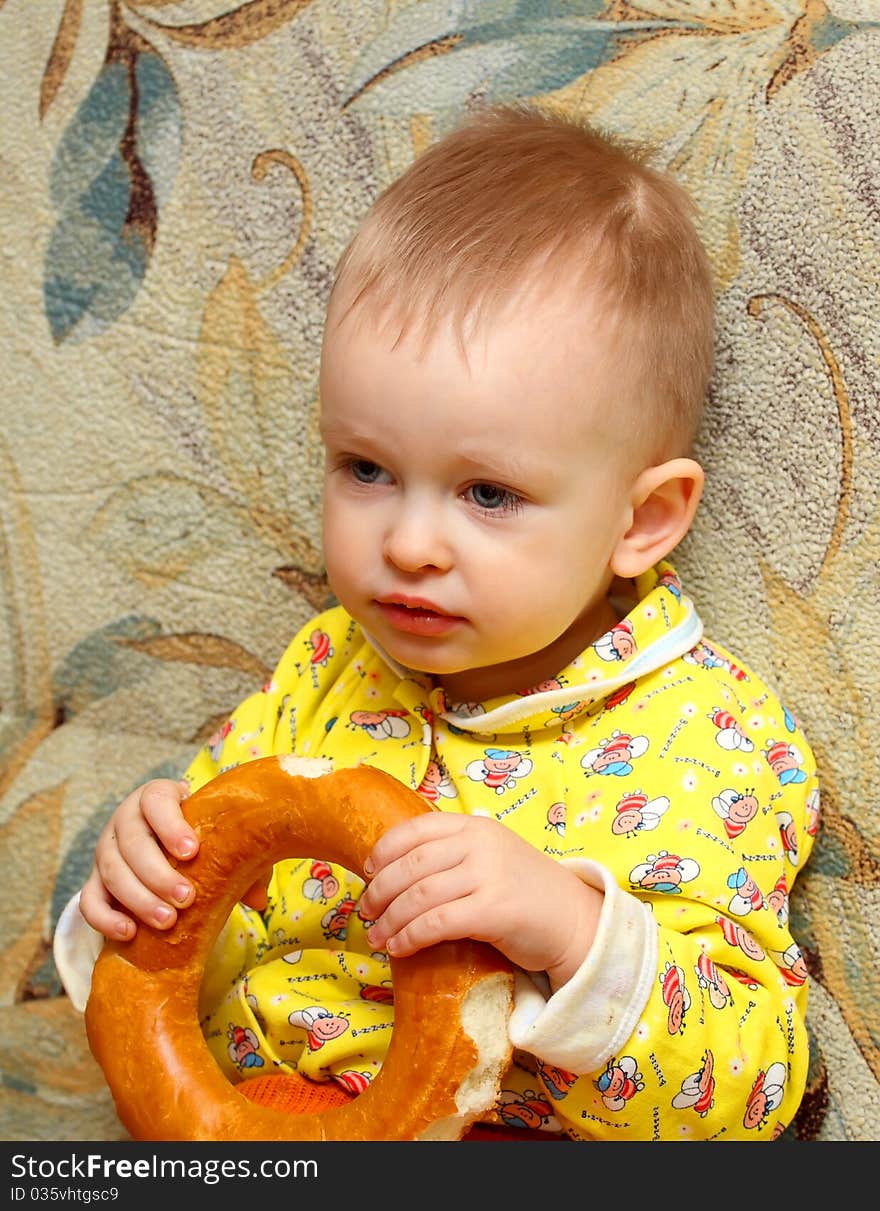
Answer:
(101, 912)
(147, 827)
(425, 899)
(409, 867)
(444, 922)
(135, 872)
(408, 834)
(160, 806)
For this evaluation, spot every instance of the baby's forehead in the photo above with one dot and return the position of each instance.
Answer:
(544, 316)
(517, 396)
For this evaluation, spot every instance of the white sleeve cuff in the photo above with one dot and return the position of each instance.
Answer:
(75, 948)
(586, 1021)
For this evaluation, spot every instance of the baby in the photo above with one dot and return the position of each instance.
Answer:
(517, 352)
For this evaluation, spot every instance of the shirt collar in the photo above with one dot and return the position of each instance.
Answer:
(661, 624)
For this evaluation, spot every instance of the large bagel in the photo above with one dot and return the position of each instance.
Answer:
(449, 1046)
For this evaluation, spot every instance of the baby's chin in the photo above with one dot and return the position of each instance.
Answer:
(443, 659)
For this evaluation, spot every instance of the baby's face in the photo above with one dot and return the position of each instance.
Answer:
(471, 507)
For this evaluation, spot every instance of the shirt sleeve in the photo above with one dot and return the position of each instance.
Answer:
(687, 1018)
(589, 1017)
(75, 949)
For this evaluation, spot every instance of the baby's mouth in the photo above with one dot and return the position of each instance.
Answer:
(418, 617)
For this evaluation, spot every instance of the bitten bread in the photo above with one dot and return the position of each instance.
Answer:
(449, 1046)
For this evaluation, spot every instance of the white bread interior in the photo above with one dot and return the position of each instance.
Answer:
(485, 1012)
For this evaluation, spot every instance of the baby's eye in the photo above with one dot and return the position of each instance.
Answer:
(367, 472)
(494, 499)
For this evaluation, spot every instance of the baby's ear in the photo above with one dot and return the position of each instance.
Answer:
(664, 500)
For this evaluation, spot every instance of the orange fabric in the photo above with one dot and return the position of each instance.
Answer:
(295, 1094)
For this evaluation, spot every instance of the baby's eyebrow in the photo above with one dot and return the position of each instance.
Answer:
(505, 466)
(344, 434)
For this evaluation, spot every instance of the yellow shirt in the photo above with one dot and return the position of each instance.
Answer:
(662, 770)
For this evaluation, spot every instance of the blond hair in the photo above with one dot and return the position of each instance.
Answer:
(514, 190)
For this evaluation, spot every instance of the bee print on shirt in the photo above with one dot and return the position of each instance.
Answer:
(620, 1082)
(785, 760)
(381, 725)
(697, 1091)
(676, 997)
(436, 783)
(319, 1024)
(736, 809)
(664, 872)
(244, 1047)
(322, 648)
(617, 644)
(499, 769)
(765, 1096)
(729, 735)
(615, 755)
(747, 896)
(635, 812)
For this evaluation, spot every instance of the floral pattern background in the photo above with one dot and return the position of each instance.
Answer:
(178, 179)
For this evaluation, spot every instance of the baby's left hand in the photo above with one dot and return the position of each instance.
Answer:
(443, 876)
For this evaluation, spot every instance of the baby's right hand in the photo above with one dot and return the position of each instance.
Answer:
(131, 870)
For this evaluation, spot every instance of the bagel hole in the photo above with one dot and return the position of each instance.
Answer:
(240, 1025)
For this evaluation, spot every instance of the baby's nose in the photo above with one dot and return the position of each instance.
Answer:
(417, 540)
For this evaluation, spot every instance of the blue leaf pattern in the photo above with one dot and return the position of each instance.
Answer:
(504, 49)
(108, 187)
(159, 126)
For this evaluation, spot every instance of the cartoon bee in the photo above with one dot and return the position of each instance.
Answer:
(637, 813)
(785, 760)
(556, 818)
(712, 981)
(381, 725)
(735, 809)
(524, 1110)
(319, 1024)
(352, 1081)
(335, 921)
(615, 755)
(321, 884)
(664, 872)
(243, 1047)
(499, 769)
(766, 1095)
(436, 783)
(619, 696)
(557, 1080)
(322, 648)
(698, 1090)
(380, 994)
(730, 735)
(747, 896)
(617, 644)
(792, 965)
(620, 1081)
(735, 935)
(676, 997)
